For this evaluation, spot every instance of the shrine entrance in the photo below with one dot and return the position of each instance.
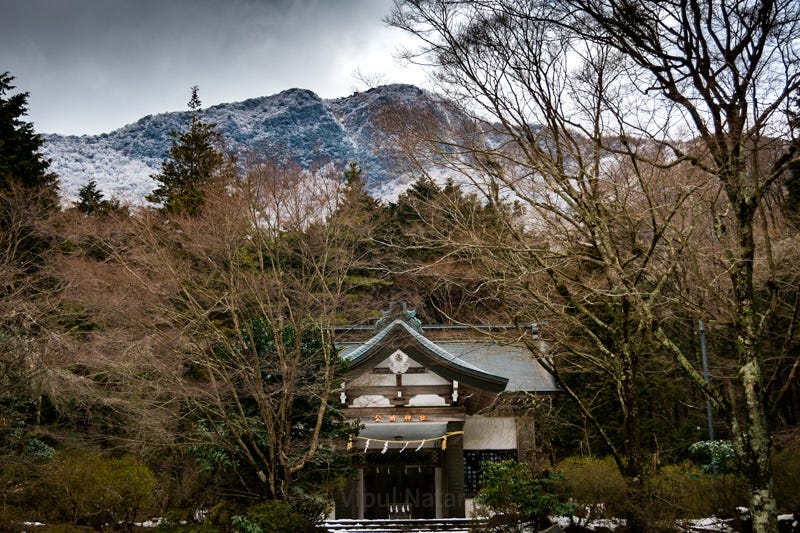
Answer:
(404, 479)
(411, 398)
(400, 491)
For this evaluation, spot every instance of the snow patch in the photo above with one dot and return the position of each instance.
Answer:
(294, 126)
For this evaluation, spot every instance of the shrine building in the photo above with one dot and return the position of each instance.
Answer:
(423, 395)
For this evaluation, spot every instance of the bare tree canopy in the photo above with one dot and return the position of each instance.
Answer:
(646, 141)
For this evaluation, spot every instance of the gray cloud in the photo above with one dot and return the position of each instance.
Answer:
(94, 65)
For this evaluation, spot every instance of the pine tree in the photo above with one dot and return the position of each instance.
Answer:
(22, 168)
(27, 195)
(91, 201)
(357, 212)
(194, 159)
(90, 198)
(355, 192)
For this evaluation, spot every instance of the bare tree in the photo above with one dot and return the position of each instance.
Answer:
(27, 298)
(618, 125)
(729, 68)
(255, 281)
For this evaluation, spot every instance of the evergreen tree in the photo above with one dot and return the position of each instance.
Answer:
(357, 218)
(90, 198)
(91, 201)
(22, 167)
(355, 195)
(27, 189)
(27, 194)
(193, 160)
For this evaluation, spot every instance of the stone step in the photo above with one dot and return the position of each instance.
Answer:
(452, 525)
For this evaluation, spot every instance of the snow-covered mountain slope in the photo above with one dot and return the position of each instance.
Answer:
(293, 125)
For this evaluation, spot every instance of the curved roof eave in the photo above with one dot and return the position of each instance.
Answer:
(399, 335)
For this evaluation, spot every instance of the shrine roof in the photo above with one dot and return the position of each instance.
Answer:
(512, 361)
(501, 367)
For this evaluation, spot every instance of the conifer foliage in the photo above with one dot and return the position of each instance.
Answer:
(194, 159)
(22, 167)
(91, 201)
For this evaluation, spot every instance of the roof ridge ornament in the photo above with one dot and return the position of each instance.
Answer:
(398, 310)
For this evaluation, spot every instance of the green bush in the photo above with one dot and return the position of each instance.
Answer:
(312, 507)
(715, 456)
(90, 489)
(672, 492)
(21, 455)
(271, 516)
(596, 487)
(514, 494)
(692, 492)
(786, 469)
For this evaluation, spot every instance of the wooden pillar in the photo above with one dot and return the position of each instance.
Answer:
(454, 473)
(439, 491)
(349, 500)
(360, 501)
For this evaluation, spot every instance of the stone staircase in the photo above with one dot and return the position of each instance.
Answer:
(453, 525)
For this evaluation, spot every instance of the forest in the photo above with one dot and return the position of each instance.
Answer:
(627, 179)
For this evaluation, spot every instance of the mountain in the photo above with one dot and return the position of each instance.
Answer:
(295, 125)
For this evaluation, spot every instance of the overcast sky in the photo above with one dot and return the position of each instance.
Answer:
(92, 66)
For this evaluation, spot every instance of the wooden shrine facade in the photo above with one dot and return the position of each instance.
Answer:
(418, 401)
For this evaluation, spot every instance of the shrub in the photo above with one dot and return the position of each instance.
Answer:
(715, 456)
(674, 491)
(272, 516)
(88, 488)
(515, 495)
(786, 469)
(312, 507)
(596, 487)
(692, 493)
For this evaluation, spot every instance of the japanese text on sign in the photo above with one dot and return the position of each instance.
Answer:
(406, 418)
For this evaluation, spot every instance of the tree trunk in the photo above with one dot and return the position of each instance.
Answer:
(753, 441)
(635, 516)
(754, 447)
(636, 520)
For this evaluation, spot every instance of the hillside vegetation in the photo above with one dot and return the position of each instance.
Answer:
(178, 353)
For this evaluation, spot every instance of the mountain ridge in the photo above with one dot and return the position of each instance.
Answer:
(293, 125)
